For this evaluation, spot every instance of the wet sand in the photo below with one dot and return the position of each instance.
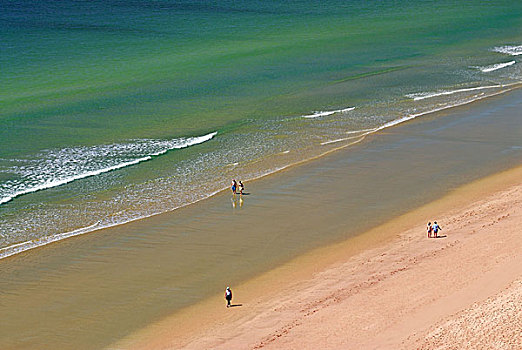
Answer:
(93, 290)
(459, 291)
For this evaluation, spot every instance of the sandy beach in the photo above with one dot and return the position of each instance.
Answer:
(328, 254)
(351, 125)
(462, 290)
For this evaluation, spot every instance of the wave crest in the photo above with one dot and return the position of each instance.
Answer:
(512, 50)
(52, 168)
(325, 113)
(495, 67)
(425, 95)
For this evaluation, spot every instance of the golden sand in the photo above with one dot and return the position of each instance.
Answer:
(397, 290)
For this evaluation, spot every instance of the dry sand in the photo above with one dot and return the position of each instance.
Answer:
(391, 288)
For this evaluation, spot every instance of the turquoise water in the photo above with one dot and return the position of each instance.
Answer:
(112, 111)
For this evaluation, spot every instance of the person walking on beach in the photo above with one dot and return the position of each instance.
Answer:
(436, 228)
(234, 186)
(430, 229)
(241, 188)
(228, 296)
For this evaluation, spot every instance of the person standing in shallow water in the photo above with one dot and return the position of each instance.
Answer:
(228, 296)
(241, 188)
(233, 187)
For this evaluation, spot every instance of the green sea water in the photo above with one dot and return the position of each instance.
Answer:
(111, 111)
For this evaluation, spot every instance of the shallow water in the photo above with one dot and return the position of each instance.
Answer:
(96, 95)
(89, 291)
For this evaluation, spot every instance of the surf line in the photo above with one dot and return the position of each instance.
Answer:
(509, 50)
(326, 113)
(184, 143)
(495, 67)
(99, 225)
(363, 133)
(413, 116)
(64, 181)
(343, 139)
(422, 96)
(38, 242)
(20, 247)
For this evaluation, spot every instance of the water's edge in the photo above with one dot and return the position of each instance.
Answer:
(43, 241)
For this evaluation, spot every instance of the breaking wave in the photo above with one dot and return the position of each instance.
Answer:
(511, 50)
(52, 168)
(325, 113)
(495, 67)
(425, 95)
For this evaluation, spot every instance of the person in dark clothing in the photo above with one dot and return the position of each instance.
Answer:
(233, 187)
(228, 296)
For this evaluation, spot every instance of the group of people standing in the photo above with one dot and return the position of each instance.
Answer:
(237, 187)
(433, 230)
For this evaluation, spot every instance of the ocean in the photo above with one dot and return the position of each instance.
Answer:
(112, 111)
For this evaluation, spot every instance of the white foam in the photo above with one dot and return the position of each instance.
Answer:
(186, 142)
(326, 113)
(20, 247)
(412, 116)
(54, 168)
(512, 50)
(23, 246)
(384, 126)
(360, 131)
(400, 120)
(42, 241)
(425, 95)
(55, 183)
(495, 67)
(342, 139)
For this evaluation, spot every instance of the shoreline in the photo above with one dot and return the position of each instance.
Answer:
(125, 122)
(279, 307)
(20, 247)
(134, 275)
